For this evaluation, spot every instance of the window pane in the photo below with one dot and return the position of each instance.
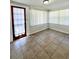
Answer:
(53, 17)
(64, 17)
(19, 30)
(38, 17)
(18, 11)
(18, 16)
(59, 17)
(18, 21)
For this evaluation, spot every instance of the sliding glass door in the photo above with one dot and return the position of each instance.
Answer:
(18, 22)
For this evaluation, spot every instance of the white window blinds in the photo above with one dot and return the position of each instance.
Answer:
(59, 17)
(53, 17)
(37, 17)
(64, 17)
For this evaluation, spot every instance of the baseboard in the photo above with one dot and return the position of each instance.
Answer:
(59, 31)
(38, 31)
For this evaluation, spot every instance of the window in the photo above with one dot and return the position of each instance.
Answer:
(64, 17)
(18, 22)
(59, 17)
(53, 17)
(38, 17)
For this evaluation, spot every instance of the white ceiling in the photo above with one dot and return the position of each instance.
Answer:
(38, 4)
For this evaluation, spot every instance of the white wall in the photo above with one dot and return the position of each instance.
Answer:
(11, 34)
(37, 28)
(60, 28)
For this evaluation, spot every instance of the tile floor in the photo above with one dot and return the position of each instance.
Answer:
(47, 44)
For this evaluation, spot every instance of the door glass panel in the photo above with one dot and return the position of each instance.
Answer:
(19, 26)
(19, 30)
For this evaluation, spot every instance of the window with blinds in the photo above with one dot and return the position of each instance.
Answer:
(38, 17)
(59, 17)
(64, 17)
(53, 17)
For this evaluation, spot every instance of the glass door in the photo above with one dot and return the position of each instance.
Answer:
(18, 22)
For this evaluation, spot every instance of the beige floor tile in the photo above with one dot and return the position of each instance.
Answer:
(42, 55)
(58, 56)
(47, 44)
(36, 49)
(28, 55)
(62, 51)
(50, 49)
(13, 55)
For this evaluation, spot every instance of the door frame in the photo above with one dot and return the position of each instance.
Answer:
(23, 35)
